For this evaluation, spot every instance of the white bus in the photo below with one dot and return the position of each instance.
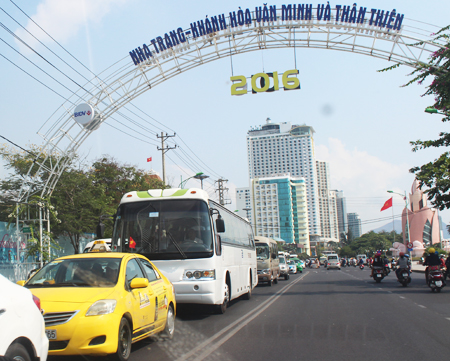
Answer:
(206, 251)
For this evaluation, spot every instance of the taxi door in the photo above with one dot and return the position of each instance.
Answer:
(159, 289)
(139, 299)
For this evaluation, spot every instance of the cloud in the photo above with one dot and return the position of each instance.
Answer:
(63, 19)
(358, 171)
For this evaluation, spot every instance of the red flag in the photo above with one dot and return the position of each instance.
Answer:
(387, 205)
(132, 242)
(149, 159)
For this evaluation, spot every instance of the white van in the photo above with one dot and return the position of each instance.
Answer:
(363, 256)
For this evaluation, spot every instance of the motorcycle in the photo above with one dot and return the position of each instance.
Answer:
(361, 266)
(393, 265)
(404, 278)
(378, 274)
(435, 279)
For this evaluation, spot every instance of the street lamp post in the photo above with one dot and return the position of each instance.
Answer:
(184, 181)
(201, 177)
(407, 216)
(247, 210)
(432, 110)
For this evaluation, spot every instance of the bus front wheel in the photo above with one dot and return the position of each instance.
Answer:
(226, 298)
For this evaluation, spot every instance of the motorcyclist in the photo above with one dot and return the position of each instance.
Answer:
(403, 263)
(377, 262)
(431, 260)
(386, 265)
(447, 265)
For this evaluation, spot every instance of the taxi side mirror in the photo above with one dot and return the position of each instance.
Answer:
(20, 283)
(139, 283)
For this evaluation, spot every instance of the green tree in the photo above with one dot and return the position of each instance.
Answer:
(435, 175)
(79, 202)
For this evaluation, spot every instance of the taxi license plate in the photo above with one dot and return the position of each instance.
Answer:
(438, 283)
(51, 334)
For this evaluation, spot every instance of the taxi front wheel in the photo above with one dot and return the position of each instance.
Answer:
(124, 343)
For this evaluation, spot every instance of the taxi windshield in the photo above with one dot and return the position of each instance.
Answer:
(79, 272)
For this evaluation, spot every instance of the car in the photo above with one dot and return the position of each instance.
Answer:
(284, 267)
(98, 304)
(22, 330)
(333, 262)
(292, 267)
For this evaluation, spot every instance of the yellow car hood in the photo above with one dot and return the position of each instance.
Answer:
(72, 294)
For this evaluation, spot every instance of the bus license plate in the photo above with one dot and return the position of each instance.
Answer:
(51, 334)
(438, 283)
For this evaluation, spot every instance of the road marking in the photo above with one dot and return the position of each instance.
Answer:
(401, 297)
(421, 306)
(210, 345)
(448, 318)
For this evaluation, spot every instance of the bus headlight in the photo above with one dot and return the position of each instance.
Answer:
(199, 275)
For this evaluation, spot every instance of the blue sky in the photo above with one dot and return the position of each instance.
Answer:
(363, 119)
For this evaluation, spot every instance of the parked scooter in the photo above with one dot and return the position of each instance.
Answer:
(404, 278)
(378, 274)
(436, 278)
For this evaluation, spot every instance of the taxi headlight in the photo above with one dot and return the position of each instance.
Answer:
(101, 307)
(199, 275)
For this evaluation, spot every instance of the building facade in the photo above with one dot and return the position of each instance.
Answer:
(243, 203)
(341, 208)
(280, 209)
(327, 203)
(281, 148)
(354, 225)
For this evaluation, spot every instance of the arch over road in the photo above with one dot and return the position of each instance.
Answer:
(373, 32)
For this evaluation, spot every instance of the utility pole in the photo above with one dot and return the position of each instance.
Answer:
(164, 151)
(222, 190)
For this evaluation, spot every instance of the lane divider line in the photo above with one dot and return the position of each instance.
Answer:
(209, 347)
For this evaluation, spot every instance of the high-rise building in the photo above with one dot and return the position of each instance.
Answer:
(354, 225)
(280, 210)
(243, 203)
(327, 203)
(280, 148)
(341, 213)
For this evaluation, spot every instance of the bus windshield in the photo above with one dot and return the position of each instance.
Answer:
(169, 229)
(262, 251)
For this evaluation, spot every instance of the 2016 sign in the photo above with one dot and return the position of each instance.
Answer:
(260, 82)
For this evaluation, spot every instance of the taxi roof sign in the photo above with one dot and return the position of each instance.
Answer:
(100, 246)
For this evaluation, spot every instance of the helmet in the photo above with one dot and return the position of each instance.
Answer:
(378, 253)
(431, 250)
(436, 253)
(442, 256)
(401, 254)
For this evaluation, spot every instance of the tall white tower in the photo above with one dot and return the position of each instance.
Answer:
(280, 148)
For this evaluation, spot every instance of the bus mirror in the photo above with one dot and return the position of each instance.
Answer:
(220, 225)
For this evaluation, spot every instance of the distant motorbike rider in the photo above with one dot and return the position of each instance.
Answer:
(377, 262)
(447, 265)
(403, 263)
(431, 260)
(386, 265)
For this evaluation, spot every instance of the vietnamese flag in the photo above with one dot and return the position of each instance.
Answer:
(132, 242)
(387, 205)
(149, 159)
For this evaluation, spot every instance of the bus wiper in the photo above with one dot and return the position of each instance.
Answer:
(177, 246)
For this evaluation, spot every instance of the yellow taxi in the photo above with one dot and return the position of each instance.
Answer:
(100, 303)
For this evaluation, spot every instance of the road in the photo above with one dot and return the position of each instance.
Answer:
(316, 315)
